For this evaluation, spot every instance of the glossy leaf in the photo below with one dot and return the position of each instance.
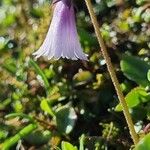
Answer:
(148, 75)
(144, 144)
(68, 146)
(135, 97)
(38, 137)
(65, 119)
(46, 107)
(135, 69)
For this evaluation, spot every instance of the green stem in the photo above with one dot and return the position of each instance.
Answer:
(112, 73)
(13, 140)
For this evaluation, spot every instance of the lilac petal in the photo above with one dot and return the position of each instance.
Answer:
(67, 2)
(62, 38)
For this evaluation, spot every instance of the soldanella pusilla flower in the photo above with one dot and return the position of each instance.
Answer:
(62, 38)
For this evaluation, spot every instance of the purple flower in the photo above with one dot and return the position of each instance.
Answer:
(62, 38)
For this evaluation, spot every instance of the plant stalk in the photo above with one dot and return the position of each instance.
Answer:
(112, 73)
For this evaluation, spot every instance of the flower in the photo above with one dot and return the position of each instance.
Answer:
(62, 38)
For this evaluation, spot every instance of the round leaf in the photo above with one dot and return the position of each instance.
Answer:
(135, 69)
(144, 144)
(65, 119)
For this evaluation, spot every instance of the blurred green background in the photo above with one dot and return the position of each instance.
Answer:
(44, 103)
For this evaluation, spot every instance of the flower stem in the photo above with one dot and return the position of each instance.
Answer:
(112, 73)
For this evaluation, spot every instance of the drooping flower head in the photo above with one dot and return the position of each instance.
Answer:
(62, 38)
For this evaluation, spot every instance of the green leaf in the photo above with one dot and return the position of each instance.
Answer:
(49, 73)
(137, 14)
(9, 20)
(144, 144)
(36, 12)
(3, 134)
(86, 38)
(82, 140)
(38, 137)
(134, 98)
(40, 72)
(141, 2)
(21, 115)
(148, 75)
(111, 3)
(5, 103)
(67, 146)
(65, 119)
(46, 107)
(10, 66)
(135, 69)
(82, 77)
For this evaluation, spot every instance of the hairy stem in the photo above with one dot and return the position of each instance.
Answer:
(111, 70)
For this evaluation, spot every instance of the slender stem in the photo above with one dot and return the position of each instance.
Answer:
(112, 73)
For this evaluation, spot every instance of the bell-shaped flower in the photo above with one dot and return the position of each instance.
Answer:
(62, 38)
